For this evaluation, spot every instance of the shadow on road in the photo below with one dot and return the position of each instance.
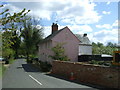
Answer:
(30, 68)
(89, 85)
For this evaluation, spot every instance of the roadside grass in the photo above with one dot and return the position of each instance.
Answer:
(2, 69)
(11, 61)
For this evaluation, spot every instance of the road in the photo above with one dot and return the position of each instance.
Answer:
(22, 75)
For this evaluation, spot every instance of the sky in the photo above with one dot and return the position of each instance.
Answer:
(98, 19)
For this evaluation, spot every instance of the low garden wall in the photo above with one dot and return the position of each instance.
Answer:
(97, 75)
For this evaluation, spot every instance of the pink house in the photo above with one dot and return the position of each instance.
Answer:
(64, 35)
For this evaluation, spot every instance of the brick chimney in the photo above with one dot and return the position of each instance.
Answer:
(54, 27)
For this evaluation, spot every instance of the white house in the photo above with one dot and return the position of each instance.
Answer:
(85, 46)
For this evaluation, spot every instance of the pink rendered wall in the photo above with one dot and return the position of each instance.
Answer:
(71, 43)
(45, 51)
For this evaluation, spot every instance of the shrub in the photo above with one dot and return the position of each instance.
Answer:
(93, 62)
(105, 63)
(101, 62)
(31, 57)
(29, 61)
(8, 54)
(59, 53)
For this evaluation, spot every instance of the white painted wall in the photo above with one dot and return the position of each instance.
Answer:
(85, 49)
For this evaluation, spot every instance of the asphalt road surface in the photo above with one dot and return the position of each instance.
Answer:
(22, 75)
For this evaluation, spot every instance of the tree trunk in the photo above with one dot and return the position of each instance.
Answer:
(16, 54)
(27, 56)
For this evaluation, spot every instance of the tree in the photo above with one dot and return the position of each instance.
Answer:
(99, 44)
(16, 40)
(95, 48)
(31, 36)
(110, 44)
(8, 23)
(8, 18)
(8, 53)
(99, 48)
(59, 53)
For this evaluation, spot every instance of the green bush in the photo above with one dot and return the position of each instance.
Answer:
(101, 62)
(29, 61)
(93, 62)
(105, 63)
(59, 53)
(31, 57)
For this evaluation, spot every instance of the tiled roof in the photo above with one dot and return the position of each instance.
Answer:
(84, 40)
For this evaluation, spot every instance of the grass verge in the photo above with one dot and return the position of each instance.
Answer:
(11, 61)
(2, 69)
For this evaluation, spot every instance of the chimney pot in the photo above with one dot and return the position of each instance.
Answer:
(54, 27)
(85, 34)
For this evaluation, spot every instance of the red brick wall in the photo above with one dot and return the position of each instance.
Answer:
(98, 75)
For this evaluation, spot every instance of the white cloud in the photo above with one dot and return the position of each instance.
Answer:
(104, 36)
(108, 2)
(115, 24)
(36, 9)
(106, 26)
(105, 12)
(80, 29)
(79, 11)
(47, 31)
